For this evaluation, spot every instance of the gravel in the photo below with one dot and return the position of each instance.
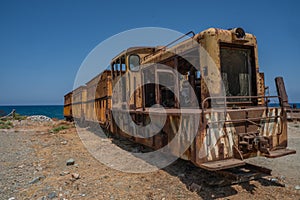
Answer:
(33, 166)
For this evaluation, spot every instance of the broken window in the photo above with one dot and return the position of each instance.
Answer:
(237, 69)
(149, 87)
(166, 88)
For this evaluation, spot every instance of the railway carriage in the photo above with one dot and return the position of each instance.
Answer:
(68, 106)
(98, 102)
(79, 103)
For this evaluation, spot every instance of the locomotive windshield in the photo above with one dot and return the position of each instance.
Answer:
(237, 70)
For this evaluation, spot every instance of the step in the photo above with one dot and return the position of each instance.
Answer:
(222, 164)
(280, 153)
(240, 174)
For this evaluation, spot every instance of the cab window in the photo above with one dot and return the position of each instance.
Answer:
(134, 62)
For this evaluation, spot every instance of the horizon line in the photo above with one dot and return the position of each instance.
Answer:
(31, 104)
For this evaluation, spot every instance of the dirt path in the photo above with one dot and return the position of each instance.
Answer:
(33, 166)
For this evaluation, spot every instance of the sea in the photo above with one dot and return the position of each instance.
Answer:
(292, 105)
(52, 111)
(56, 111)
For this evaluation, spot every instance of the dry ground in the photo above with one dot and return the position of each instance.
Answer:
(33, 166)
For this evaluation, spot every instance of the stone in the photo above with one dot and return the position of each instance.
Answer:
(75, 175)
(39, 168)
(21, 166)
(37, 179)
(297, 187)
(195, 187)
(52, 195)
(71, 161)
(64, 173)
(64, 142)
(274, 180)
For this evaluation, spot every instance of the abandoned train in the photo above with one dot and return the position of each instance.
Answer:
(211, 91)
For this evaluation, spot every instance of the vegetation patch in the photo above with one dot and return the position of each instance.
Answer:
(59, 128)
(14, 116)
(6, 124)
(17, 116)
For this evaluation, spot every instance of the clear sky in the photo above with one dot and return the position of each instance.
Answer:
(44, 42)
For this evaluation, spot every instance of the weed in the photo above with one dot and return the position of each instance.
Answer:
(59, 128)
(17, 116)
(6, 124)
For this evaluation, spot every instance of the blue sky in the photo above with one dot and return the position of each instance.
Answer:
(43, 43)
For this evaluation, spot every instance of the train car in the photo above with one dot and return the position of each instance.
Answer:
(90, 114)
(98, 104)
(79, 103)
(68, 106)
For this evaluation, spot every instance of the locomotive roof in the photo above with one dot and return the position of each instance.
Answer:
(133, 50)
(191, 43)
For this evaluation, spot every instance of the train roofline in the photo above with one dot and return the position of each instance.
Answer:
(131, 50)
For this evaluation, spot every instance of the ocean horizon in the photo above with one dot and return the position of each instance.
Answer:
(56, 111)
(296, 105)
(52, 111)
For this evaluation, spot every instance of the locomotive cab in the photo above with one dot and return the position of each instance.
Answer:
(236, 121)
(255, 128)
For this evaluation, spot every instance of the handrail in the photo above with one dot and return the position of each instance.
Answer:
(232, 97)
(246, 119)
(188, 33)
(164, 47)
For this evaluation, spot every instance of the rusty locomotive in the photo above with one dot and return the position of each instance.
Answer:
(211, 91)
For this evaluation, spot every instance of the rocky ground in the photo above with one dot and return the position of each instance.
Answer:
(47, 160)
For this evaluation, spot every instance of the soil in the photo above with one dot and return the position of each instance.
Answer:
(33, 165)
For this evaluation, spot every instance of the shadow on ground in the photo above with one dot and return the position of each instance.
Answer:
(207, 184)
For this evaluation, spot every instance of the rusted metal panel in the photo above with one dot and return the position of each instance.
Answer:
(68, 98)
(261, 87)
(99, 90)
(282, 92)
(68, 106)
(78, 102)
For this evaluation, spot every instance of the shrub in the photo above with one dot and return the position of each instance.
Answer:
(6, 124)
(17, 116)
(59, 128)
